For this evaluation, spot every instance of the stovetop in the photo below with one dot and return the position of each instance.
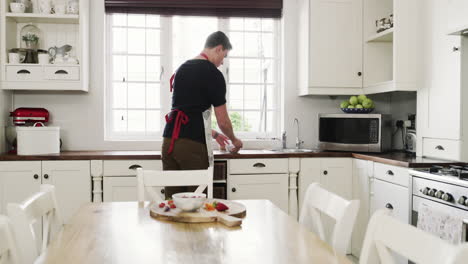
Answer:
(460, 172)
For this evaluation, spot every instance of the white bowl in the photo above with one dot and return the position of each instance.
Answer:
(17, 7)
(189, 201)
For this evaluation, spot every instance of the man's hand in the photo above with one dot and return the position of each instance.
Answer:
(222, 140)
(237, 145)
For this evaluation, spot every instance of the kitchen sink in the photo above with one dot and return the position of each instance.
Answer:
(293, 150)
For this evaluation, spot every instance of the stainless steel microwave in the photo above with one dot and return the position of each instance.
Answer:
(355, 132)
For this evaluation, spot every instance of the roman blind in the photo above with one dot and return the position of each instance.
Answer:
(218, 8)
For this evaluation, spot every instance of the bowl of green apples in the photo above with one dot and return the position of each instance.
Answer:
(358, 104)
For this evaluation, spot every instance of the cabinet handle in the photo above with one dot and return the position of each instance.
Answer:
(233, 190)
(389, 206)
(455, 49)
(325, 172)
(390, 173)
(439, 147)
(23, 72)
(36, 176)
(259, 165)
(359, 74)
(61, 72)
(134, 167)
(46, 176)
(162, 191)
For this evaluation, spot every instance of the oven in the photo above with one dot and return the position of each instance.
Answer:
(444, 194)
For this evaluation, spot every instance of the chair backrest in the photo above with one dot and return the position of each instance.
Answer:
(8, 250)
(386, 234)
(318, 200)
(147, 179)
(40, 206)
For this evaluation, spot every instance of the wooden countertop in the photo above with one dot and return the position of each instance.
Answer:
(124, 232)
(392, 158)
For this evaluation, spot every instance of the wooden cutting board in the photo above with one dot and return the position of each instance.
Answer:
(230, 217)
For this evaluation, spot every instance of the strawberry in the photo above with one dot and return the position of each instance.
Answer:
(170, 202)
(161, 205)
(172, 206)
(221, 207)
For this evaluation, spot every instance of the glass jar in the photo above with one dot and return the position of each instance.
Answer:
(30, 36)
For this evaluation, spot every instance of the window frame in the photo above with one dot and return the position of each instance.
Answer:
(165, 94)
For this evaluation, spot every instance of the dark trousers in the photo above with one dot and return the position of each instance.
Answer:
(186, 155)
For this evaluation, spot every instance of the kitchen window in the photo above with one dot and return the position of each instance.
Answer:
(144, 50)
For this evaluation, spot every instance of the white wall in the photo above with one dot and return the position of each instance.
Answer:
(81, 115)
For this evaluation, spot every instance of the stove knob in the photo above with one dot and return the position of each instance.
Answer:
(439, 194)
(462, 200)
(447, 197)
(426, 191)
(432, 192)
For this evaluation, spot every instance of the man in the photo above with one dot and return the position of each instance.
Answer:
(197, 85)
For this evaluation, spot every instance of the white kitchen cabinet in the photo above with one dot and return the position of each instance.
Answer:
(458, 20)
(363, 171)
(330, 47)
(120, 182)
(334, 174)
(273, 187)
(21, 179)
(442, 110)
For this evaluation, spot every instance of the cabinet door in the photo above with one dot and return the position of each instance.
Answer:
(120, 189)
(309, 173)
(335, 49)
(18, 181)
(72, 181)
(441, 104)
(362, 172)
(273, 187)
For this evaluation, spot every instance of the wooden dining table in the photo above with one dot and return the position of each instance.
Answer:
(124, 232)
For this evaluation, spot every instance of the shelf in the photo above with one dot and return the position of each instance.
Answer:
(384, 36)
(43, 18)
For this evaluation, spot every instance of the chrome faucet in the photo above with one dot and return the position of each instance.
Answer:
(283, 139)
(298, 140)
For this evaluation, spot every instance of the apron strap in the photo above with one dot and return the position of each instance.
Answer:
(180, 119)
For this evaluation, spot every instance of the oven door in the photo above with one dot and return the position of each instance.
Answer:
(440, 207)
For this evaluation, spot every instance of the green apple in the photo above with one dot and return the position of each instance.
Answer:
(361, 98)
(359, 106)
(353, 100)
(367, 103)
(344, 104)
(350, 106)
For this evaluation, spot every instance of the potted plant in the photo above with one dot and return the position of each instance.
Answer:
(31, 40)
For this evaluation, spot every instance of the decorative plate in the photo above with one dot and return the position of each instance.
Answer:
(357, 110)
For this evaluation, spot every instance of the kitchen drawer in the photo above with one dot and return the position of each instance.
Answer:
(62, 73)
(393, 197)
(18, 73)
(121, 167)
(393, 174)
(441, 148)
(249, 166)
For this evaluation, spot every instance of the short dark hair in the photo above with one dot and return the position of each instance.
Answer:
(218, 38)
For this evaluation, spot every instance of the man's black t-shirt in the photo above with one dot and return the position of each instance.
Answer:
(198, 85)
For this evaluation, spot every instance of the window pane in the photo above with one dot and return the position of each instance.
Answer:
(153, 69)
(119, 19)
(135, 20)
(119, 67)
(236, 24)
(268, 44)
(271, 97)
(252, 121)
(119, 120)
(268, 64)
(270, 121)
(153, 98)
(253, 70)
(152, 21)
(254, 45)
(136, 95)
(237, 120)
(119, 92)
(119, 40)
(153, 120)
(136, 120)
(267, 24)
(236, 70)
(153, 41)
(136, 41)
(237, 41)
(253, 24)
(136, 71)
(236, 97)
(253, 96)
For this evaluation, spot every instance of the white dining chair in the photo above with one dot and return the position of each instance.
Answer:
(317, 200)
(8, 249)
(148, 179)
(386, 234)
(40, 206)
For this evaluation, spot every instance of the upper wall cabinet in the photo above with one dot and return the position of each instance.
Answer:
(44, 46)
(458, 18)
(391, 56)
(330, 47)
